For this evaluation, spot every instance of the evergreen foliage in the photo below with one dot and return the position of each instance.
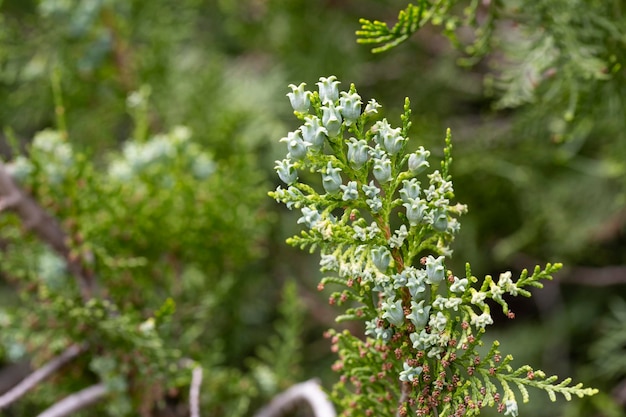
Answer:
(141, 132)
(151, 218)
(438, 13)
(379, 216)
(557, 53)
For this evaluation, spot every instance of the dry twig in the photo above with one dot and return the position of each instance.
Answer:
(194, 391)
(39, 375)
(309, 392)
(76, 401)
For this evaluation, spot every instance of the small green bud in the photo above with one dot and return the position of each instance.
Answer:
(422, 340)
(478, 297)
(375, 204)
(313, 133)
(382, 170)
(372, 107)
(415, 282)
(459, 285)
(398, 237)
(331, 179)
(310, 217)
(357, 152)
(419, 314)
(415, 210)
(373, 201)
(481, 321)
(295, 145)
(410, 190)
(399, 280)
(286, 171)
(350, 106)
(328, 89)
(439, 219)
(384, 334)
(371, 190)
(438, 321)
(434, 269)
(388, 137)
(300, 99)
(350, 191)
(409, 374)
(417, 161)
(331, 119)
(370, 327)
(381, 258)
(328, 263)
(392, 311)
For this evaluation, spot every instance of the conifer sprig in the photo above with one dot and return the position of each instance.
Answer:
(384, 224)
(377, 32)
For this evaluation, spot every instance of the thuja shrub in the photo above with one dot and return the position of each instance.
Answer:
(383, 220)
(142, 255)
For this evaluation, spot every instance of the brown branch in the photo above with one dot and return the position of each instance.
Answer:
(39, 375)
(309, 391)
(36, 219)
(77, 401)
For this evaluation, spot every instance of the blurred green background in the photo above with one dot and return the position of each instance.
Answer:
(541, 186)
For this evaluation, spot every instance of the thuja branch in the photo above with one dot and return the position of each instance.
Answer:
(39, 375)
(121, 343)
(437, 12)
(36, 219)
(383, 222)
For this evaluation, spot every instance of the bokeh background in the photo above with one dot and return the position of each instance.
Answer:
(539, 158)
